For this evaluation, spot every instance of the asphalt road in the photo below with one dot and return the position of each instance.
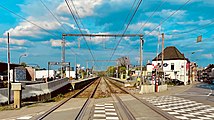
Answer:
(201, 92)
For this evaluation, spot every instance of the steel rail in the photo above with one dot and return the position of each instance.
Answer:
(129, 115)
(157, 110)
(82, 110)
(61, 103)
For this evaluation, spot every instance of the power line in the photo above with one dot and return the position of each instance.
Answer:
(28, 21)
(138, 5)
(166, 19)
(77, 14)
(151, 16)
(64, 29)
(169, 16)
(128, 15)
(79, 28)
(192, 30)
(62, 26)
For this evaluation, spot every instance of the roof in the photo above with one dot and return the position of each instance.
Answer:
(209, 67)
(3, 66)
(171, 53)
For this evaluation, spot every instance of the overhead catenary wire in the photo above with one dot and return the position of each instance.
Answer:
(169, 17)
(29, 21)
(194, 29)
(79, 28)
(1, 6)
(148, 19)
(77, 14)
(159, 6)
(138, 5)
(60, 23)
(63, 28)
(146, 35)
(128, 15)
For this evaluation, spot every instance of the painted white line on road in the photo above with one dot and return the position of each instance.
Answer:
(99, 115)
(24, 118)
(112, 118)
(191, 95)
(211, 91)
(99, 111)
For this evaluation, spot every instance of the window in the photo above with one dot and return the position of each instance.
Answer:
(172, 66)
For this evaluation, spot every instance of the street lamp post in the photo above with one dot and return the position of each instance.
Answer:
(23, 55)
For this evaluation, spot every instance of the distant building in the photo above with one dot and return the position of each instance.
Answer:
(3, 69)
(193, 72)
(209, 71)
(175, 65)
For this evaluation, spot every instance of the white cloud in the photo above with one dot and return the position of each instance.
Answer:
(167, 12)
(137, 26)
(97, 40)
(84, 7)
(208, 56)
(13, 41)
(27, 29)
(13, 48)
(200, 22)
(58, 43)
(208, 2)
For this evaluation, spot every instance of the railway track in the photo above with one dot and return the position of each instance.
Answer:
(157, 110)
(45, 114)
(114, 90)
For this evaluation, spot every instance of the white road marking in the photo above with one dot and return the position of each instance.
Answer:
(24, 118)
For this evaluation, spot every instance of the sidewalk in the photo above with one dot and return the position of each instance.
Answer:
(171, 90)
(26, 111)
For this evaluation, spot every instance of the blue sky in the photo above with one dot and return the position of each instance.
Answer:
(105, 16)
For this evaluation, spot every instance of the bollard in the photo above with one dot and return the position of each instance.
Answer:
(17, 88)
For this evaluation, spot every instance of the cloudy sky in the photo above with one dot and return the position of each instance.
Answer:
(37, 25)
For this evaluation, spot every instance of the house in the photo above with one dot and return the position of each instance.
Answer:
(193, 72)
(175, 65)
(209, 70)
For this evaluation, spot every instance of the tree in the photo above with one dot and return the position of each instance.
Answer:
(23, 64)
(111, 70)
(122, 69)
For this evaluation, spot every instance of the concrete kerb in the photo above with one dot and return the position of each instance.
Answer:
(75, 83)
(125, 82)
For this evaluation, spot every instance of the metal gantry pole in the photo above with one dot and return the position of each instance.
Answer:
(8, 67)
(87, 68)
(162, 58)
(141, 59)
(63, 55)
(76, 77)
(69, 69)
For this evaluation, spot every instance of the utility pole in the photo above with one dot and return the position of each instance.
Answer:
(76, 67)
(117, 70)
(157, 67)
(141, 48)
(63, 55)
(87, 68)
(162, 57)
(8, 67)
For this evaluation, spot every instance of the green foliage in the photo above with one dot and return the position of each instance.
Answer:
(23, 64)
(122, 69)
